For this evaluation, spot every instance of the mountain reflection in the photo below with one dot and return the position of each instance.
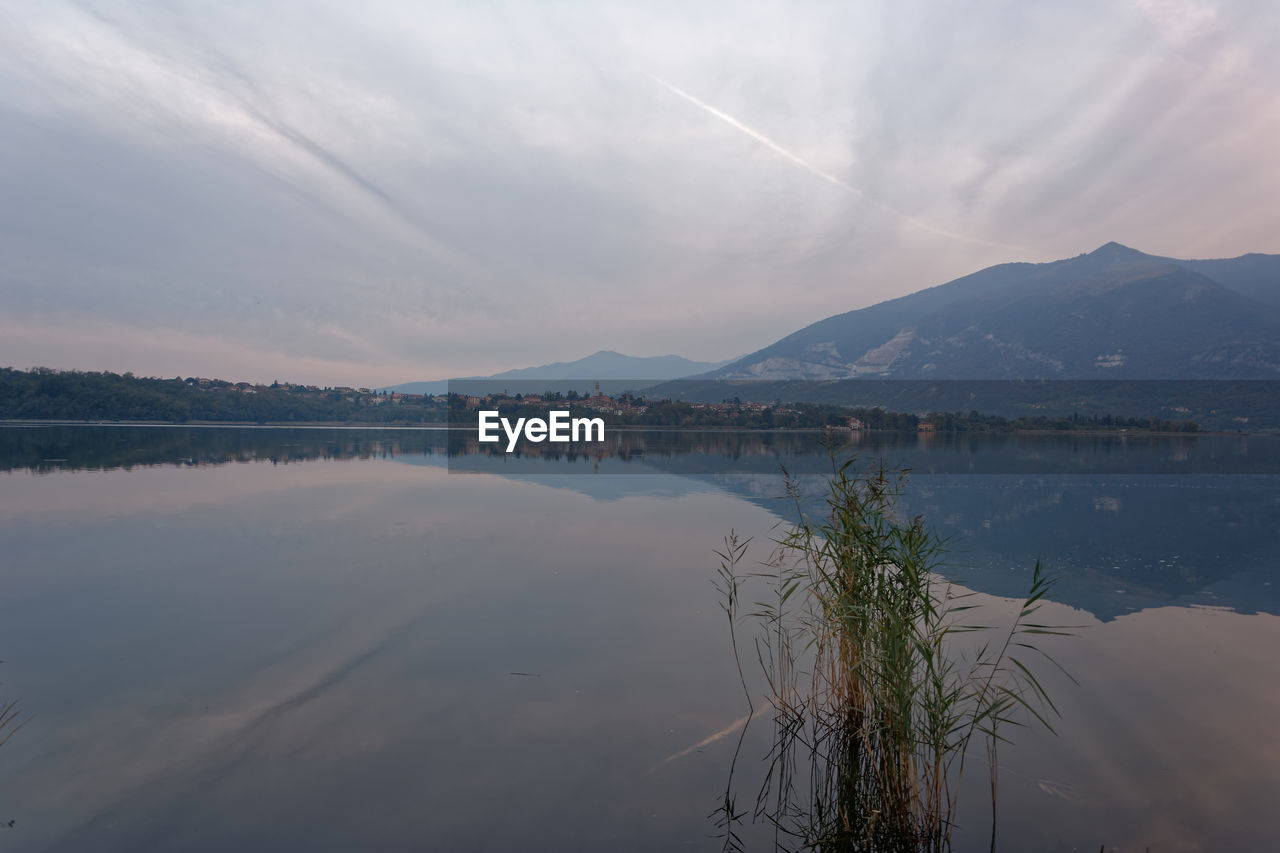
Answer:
(53, 448)
(1126, 522)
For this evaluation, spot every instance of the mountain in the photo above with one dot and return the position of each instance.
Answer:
(612, 369)
(1115, 313)
(607, 364)
(1253, 275)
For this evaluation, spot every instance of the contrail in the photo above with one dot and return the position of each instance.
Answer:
(725, 732)
(826, 176)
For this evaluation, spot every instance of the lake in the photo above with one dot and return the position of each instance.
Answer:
(337, 639)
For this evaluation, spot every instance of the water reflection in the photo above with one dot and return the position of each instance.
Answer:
(1167, 744)
(104, 448)
(54, 448)
(329, 667)
(737, 452)
(1126, 521)
(223, 648)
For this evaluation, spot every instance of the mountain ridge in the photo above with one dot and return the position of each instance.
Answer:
(606, 365)
(1113, 313)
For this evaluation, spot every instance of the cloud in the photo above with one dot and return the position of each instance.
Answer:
(826, 176)
(381, 190)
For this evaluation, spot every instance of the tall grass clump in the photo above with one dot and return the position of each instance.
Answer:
(875, 701)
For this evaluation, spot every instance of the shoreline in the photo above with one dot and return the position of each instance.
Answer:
(445, 427)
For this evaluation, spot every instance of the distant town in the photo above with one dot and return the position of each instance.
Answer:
(44, 394)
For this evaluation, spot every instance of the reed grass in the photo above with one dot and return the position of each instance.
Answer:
(10, 723)
(9, 719)
(875, 704)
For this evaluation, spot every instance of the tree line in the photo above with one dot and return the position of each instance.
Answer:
(46, 394)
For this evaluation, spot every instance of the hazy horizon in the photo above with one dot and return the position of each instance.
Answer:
(403, 192)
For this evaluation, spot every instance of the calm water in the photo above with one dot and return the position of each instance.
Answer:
(349, 639)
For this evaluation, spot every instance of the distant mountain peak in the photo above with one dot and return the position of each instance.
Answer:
(1115, 250)
(1114, 313)
(612, 369)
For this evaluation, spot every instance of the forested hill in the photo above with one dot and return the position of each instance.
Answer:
(1113, 314)
(45, 394)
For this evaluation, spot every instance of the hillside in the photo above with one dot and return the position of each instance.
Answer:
(1115, 313)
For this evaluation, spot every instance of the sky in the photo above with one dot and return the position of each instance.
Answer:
(374, 193)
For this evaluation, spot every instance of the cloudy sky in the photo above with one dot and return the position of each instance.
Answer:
(376, 193)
